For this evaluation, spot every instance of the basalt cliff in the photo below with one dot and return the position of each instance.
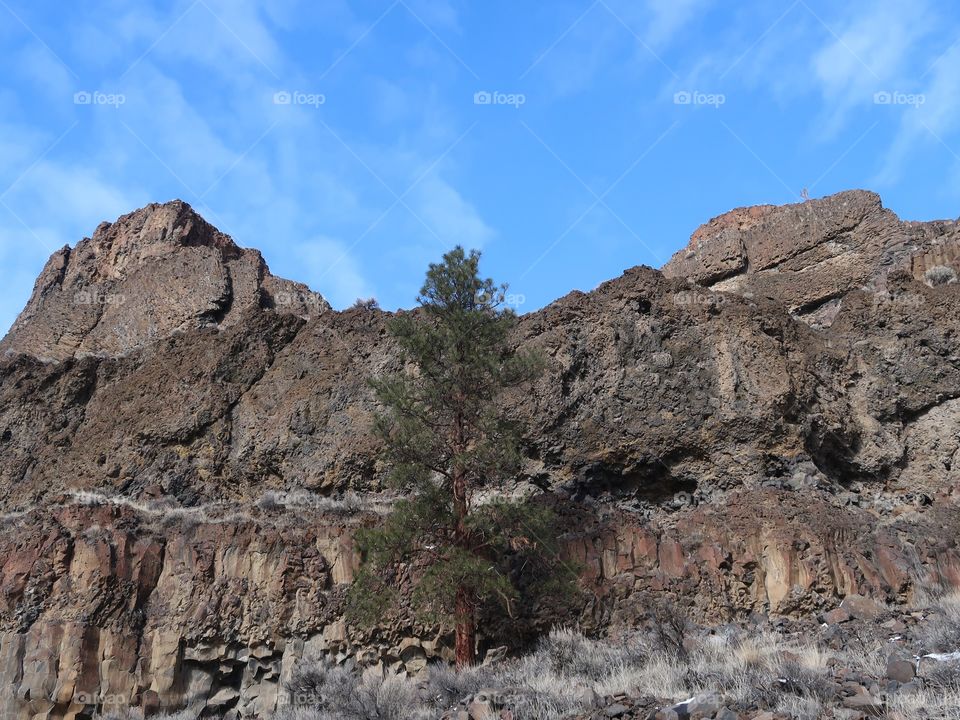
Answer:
(767, 424)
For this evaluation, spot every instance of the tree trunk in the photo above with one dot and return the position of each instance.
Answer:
(464, 618)
(465, 629)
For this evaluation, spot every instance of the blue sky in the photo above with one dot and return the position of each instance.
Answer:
(353, 142)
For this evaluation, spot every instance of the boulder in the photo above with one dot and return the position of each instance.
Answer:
(903, 671)
(862, 608)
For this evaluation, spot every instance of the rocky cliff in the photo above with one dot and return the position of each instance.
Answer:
(766, 425)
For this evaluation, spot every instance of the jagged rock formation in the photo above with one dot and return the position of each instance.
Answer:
(150, 274)
(812, 254)
(768, 424)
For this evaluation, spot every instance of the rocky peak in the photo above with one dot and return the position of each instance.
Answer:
(153, 231)
(810, 254)
(152, 272)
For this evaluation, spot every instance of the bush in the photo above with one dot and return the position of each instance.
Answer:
(447, 687)
(670, 628)
(569, 654)
(569, 675)
(942, 676)
(365, 304)
(940, 275)
(306, 685)
(335, 692)
(941, 632)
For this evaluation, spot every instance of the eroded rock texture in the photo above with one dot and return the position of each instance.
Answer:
(767, 425)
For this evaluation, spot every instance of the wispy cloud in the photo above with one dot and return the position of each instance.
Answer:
(668, 17)
(328, 264)
(931, 124)
(454, 220)
(871, 51)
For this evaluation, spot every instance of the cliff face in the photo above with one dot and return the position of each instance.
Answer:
(768, 424)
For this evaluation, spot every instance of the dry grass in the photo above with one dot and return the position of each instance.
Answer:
(274, 508)
(924, 703)
(332, 693)
(941, 631)
(160, 509)
(568, 673)
(350, 503)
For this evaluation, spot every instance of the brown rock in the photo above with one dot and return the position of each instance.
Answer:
(151, 273)
(903, 671)
(849, 237)
(865, 703)
(861, 607)
(481, 710)
(837, 615)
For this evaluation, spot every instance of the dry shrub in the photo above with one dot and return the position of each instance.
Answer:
(940, 275)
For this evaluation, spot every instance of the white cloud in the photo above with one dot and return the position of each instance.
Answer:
(228, 36)
(48, 75)
(168, 126)
(668, 17)
(933, 123)
(449, 215)
(330, 269)
(437, 14)
(71, 198)
(53, 205)
(871, 51)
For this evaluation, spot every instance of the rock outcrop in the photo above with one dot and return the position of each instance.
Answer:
(155, 272)
(767, 425)
(813, 253)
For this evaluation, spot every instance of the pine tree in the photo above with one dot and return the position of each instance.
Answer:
(448, 439)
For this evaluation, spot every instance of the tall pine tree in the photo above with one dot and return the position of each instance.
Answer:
(447, 439)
